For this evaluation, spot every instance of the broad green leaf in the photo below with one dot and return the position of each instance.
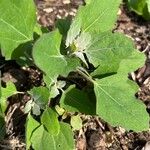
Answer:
(75, 100)
(40, 96)
(101, 16)
(41, 139)
(17, 22)
(131, 63)
(117, 104)
(97, 16)
(137, 5)
(65, 138)
(88, 1)
(5, 93)
(148, 5)
(63, 25)
(47, 48)
(107, 50)
(50, 120)
(23, 54)
(76, 122)
(107, 97)
(31, 125)
(141, 7)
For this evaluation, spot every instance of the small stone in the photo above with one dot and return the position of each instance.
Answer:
(147, 146)
(72, 14)
(137, 39)
(66, 2)
(48, 10)
(58, 16)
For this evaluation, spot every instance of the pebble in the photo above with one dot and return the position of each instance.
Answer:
(66, 2)
(147, 146)
(48, 10)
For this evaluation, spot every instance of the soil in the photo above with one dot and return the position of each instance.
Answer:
(95, 134)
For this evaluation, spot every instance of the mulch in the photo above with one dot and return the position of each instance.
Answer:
(95, 134)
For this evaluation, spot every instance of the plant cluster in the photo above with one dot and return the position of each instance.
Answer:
(141, 7)
(85, 69)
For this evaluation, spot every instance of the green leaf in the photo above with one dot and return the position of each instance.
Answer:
(40, 96)
(73, 31)
(23, 54)
(59, 110)
(75, 100)
(5, 93)
(141, 7)
(131, 63)
(148, 5)
(101, 17)
(107, 50)
(65, 138)
(76, 122)
(117, 104)
(83, 41)
(36, 109)
(63, 25)
(88, 1)
(137, 5)
(31, 125)
(47, 48)
(41, 139)
(50, 120)
(54, 89)
(17, 22)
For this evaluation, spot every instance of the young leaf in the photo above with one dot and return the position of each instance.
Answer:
(76, 122)
(36, 109)
(16, 24)
(5, 93)
(50, 120)
(54, 89)
(83, 41)
(40, 96)
(75, 100)
(107, 50)
(41, 139)
(31, 125)
(73, 31)
(101, 17)
(54, 64)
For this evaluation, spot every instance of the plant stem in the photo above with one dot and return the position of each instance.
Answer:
(88, 78)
